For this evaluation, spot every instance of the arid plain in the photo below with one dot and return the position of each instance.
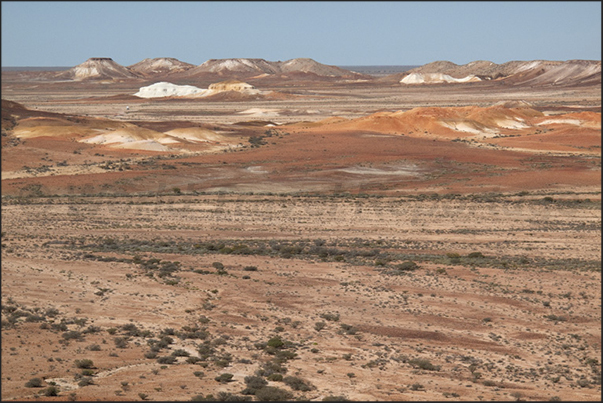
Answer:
(304, 236)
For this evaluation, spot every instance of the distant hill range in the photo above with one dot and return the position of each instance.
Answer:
(261, 66)
(103, 68)
(534, 73)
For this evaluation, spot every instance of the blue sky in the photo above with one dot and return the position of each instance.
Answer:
(40, 33)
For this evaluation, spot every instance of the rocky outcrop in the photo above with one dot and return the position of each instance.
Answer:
(231, 85)
(165, 89)
(434, 78)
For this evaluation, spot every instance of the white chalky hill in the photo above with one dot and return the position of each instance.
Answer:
(165, 89)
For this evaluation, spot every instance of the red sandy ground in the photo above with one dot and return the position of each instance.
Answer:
(501, 320)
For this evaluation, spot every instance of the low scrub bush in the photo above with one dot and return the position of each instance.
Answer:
(333, 317)
(180, 353)
(51, 391)
(285, 355)
(229, 397)
(121, 342)
(296, 383)
(84, 364)
(34, 383)
(85, 381)
(166, 360)
(332, 398)
(272, 393)
(254, 383)
(224, 378)
(348, 329)
(275, 342)
(150, 355)
(131, 330)
(424, 364)
(193, 360)
(408, 265)
(271, 367)
(72, 335)
(205, 350)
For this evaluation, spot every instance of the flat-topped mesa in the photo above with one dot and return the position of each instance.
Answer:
(98, 68)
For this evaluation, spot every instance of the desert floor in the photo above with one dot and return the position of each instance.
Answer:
(521, 321)
(329, 263)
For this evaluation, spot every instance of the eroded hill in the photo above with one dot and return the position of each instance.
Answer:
(467, 149)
